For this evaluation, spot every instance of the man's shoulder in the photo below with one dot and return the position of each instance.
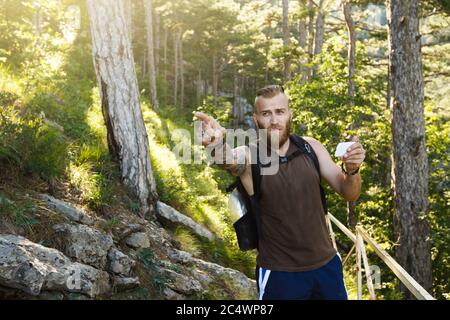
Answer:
(315, 144)
(309, 139)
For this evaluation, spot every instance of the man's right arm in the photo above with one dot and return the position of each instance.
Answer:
(238, 164)
(236, 161)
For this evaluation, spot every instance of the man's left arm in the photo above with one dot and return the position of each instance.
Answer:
(347, 185)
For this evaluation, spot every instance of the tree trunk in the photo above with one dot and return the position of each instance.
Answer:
(387, 182)
(166, 37)
(408, 134)
(114, 67)
(236, 101)
(128, 11)
(286, 41)
(215, 77)
(269, 37)
(318, 39)
(157, 42)
(199, 87)
(351, 63)
(302, 41)
(177, 68)
(311, 15)
(148, 8)
(144, 63)
(181, 65)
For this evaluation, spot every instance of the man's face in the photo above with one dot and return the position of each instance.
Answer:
(274, 115)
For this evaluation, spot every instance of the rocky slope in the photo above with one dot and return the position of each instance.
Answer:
(133, 259)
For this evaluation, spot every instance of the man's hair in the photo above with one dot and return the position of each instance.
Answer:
(269, 91)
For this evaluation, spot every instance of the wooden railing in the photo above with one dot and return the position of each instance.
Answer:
(358, 240)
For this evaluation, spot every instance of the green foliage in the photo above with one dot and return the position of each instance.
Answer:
(109, 224)
(21, 214)
(51, 120)
(438, 148)
(160, 278)
(193, 190)
(31, 144)
(219, 109)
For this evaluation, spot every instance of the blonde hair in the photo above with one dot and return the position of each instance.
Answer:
(269, 91)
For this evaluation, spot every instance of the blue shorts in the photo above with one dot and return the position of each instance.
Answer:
(324, 283)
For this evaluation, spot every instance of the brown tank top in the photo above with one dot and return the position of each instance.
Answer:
(295, 234)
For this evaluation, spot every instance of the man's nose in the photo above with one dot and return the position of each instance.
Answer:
(273, 119)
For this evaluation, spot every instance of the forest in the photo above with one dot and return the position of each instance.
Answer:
(94, 93)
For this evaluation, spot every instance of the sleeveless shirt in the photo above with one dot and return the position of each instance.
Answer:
(294, 231)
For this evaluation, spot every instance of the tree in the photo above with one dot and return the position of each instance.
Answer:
(148, 7)
(286, 41)
(114, 67)
(302, 38)
(408, 133)
(311, 14)
(351, 62)
(319, 34)
(128, 12)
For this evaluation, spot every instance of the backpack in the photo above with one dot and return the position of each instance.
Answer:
(248, 227)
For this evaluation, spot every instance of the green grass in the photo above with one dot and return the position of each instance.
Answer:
(195, 190)
(20, 213)
(159, 279)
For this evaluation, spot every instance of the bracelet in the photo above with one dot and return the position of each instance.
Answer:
(347, 173)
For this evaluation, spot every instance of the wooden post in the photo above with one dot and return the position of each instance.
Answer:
(358, 265)
(330, 228)
(349, 254)
(367, 270)
(416, 289)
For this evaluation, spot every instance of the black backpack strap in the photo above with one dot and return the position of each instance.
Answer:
(233, 186)
(304, 145)
(255, 198)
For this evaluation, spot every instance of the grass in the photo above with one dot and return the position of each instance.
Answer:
(159, 278)
(21, 214)
(195, 190)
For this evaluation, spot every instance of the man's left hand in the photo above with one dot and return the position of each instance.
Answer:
(354, 156)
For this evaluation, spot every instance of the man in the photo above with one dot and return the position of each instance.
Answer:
(296, 258)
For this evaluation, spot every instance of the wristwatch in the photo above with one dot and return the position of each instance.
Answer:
(347, 173)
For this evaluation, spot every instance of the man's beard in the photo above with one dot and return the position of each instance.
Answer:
(282, 136)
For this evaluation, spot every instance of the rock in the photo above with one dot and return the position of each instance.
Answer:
(129, 229)
(202, 276)
(119, 263)
(31, 267)
(138, 240)
(169, 294)
(67, 210)
(182, 284)
(240, 283)
(78, 278)
(205, 272)
(166, 212)
(51, 295)
(77, 296)
(85, 244)
(179, 256)
(122, 284)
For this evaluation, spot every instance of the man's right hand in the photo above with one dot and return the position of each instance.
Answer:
(212, 131)
(236, 161)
